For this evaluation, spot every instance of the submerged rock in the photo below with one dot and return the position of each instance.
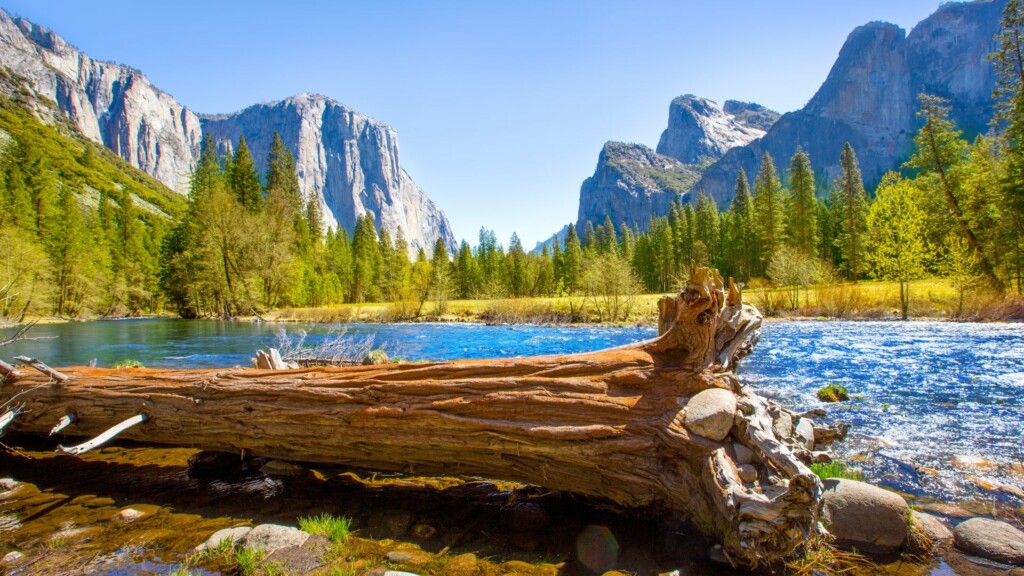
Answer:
(128, 515)
(282, 468)
(865, 517)
(273, 537)
(411, 557)
(12, 557)
(990, 539)
(710, 413)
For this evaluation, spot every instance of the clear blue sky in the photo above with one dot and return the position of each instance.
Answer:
(501, 107)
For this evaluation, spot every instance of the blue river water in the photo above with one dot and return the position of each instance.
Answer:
(923, 392)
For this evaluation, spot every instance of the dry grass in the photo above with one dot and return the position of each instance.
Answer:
(929, 298)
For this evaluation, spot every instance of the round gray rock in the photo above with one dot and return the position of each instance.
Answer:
(12, 557)
(710, 413)
(273, 537)
(805, 433)
(233, 534)
(933, 527)
(865, 517)
(990, 539)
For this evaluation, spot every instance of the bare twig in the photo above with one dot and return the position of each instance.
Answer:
(337, 349)
(19, 334)
(53, 374)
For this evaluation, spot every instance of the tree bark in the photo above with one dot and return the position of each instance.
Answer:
(611, 423)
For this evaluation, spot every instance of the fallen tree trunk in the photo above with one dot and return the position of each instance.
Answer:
(621, 423)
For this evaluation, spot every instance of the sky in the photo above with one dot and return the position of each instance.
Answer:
(501, 107)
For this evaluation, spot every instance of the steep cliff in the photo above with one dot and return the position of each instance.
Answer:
(870, 96)
(349, 161)
(109, 103)
(700, 130)
(631, 184)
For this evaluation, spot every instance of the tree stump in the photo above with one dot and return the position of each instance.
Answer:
(611, 423)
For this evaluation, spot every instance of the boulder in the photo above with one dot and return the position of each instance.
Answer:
(933, 527)
(782, 425)
(990, 539)
(744, 455)
(273, 537)
(805, 433)
(710, 413)
(233, 534)
(747, 473)
(865, 517)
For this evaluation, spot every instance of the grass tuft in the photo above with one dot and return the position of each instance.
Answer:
(335, 528)
(129, 363)
(833, 393)
(248, 560)
(836, 470)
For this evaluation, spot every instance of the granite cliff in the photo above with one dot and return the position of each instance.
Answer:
(348, 161)
(870, 96)
(632, 183)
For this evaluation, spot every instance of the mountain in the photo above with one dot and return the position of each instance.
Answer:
(699, 129)
(870, 96)
(110, 104)
(348, 161)
(632, 183)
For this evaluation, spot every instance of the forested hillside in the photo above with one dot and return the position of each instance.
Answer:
(80, 229)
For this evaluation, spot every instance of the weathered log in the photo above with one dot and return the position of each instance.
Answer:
(611, 423)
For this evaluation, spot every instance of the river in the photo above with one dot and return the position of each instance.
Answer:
(927, 397)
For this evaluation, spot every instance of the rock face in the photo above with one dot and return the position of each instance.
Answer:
(347, 160)
(866, 517)
(870, 96)
(990, 539)
(700, 130)
(631, 184)
(109, 103)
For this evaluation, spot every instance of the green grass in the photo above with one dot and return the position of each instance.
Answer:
(129, 363)
(335, 528)
(833, 393)
(248, 560)
(836, 470)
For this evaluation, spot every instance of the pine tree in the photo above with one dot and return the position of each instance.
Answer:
(802, 206)
(440, 279)
(769, 217)
(743, 252)
(365, 253)
(572, 258)
(849, 205)
(281, 175)
(708, 231)
(940, 151)
(245, 180)
(68, 248)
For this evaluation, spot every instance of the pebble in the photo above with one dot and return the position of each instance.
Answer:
(8, 484)
(411, 557)
(282, 468)
(128, 515)
(12, 557)
(748, 473)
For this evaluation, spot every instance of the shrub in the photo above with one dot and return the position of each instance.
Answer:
(833, 393)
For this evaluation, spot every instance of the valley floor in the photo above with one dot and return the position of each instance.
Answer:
(932, 299)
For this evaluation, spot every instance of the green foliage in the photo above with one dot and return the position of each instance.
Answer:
(244, 180)
(769, 215)
(70, 212)
(896, 229)
(849, 214)
(836, 470)
(833, 393)
(801, 206)
(248, 560)
(129, 363)
(335, 528)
